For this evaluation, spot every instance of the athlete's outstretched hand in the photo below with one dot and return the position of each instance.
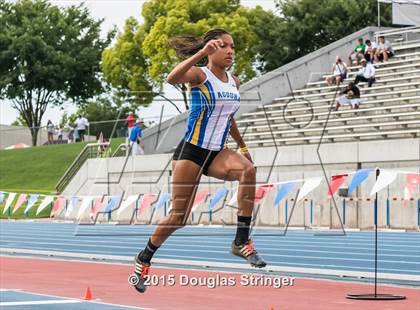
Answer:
(212, 46)
(248, 156)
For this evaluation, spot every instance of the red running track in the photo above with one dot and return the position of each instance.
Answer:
(108, 283)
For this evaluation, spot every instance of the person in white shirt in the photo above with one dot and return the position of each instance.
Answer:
(366, 73)
(339, 70)
(384, 51)
(349, 96)
(371, 48)
(81, 124)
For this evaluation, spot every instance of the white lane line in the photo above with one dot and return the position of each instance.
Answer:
(109, 243)
(177, 240)
(38, 302)
(171, 246)
(93, 253)
(303, 236)
(186, 262)
(299, 235)
(105, 255)
(320, 239)
(78, 246)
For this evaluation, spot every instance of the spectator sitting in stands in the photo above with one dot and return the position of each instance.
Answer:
(371, 48)
(384, 51)
(358, 52)
(350, 96)
(366, 73)
(339, 69)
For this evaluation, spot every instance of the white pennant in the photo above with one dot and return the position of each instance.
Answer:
(234, 200)
(385, 178)
(86, 203)
(72, 204)
(44, 204)
(127, 202)
(309, 185)
(9, 202)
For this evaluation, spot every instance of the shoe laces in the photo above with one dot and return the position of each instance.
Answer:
(144, 271)
(250, 247)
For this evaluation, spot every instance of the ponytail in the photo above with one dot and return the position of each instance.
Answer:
(186, 46)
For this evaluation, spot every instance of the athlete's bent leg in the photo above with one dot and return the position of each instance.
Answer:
(231, 166)
(186, 177)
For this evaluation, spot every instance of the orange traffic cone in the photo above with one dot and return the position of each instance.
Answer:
(88, 294)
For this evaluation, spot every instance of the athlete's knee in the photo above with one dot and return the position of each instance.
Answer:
(249, 172)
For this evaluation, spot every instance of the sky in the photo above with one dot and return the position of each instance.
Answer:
(115, 12)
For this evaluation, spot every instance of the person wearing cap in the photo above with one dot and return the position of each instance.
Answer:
(136, 138)
(358, 52)
(131, 121)
(366, 73)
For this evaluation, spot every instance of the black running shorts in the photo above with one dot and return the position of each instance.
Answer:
(196, 154)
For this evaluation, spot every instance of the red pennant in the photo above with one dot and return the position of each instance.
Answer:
(20, 201)
(59, 202)
(411, 182)
(200, 197)
(262, 191)
(336, 181)
(97, 206)
(146, 201)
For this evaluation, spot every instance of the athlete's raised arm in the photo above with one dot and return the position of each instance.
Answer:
(187, 72)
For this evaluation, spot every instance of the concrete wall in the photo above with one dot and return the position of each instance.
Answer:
(264, 89)
(10, 135)
(151, 173)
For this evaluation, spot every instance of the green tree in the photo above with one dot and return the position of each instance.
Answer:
(141, 58)
(19, 121)
(125, 67)
(48, 55)
(270, 50)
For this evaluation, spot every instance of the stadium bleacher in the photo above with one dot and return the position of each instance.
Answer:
(389, 109)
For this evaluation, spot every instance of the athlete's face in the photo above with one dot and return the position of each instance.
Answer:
(225, 54)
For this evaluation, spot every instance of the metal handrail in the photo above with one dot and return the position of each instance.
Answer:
(122, 148)
(398, 32)
(78, 162)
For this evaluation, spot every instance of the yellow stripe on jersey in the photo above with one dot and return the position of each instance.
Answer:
(188, 90)
(206, 92)
(196, 133)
